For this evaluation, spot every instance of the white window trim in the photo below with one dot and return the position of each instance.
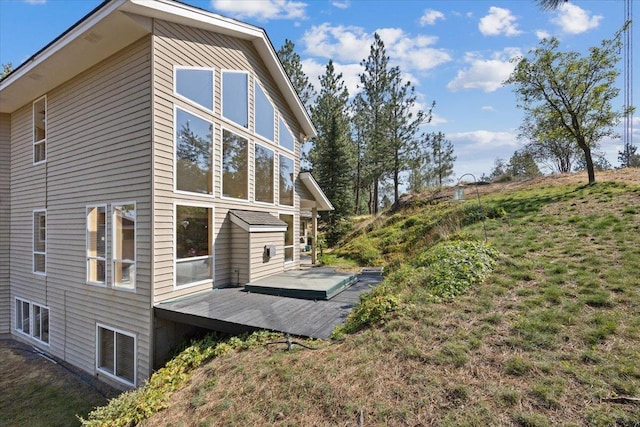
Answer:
(106, 246)
(281, 119)
(32, 321)
(222, 196)
(294, 181)
(256, 83)
(175, 154)
(222, 73)
(135, 247)
(135, 354)
(33, 236)
(190, 101)
(293, 245)
(175, 245)
(46, 130)
(273, 179)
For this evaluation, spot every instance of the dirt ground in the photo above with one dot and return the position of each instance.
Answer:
(39, 391)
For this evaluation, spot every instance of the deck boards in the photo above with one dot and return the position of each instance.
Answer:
(233, 310)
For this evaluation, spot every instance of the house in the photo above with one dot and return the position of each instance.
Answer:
(149, 153)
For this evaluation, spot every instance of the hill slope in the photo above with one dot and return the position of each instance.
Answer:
(552, 336)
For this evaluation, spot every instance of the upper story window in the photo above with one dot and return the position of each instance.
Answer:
(235, 166)
(97, 244)
(285, 139)
(235, 97)
(194, 245)
(124, 245)
(40, 242)
(40, 130)
(194, 152)
(263, 174)
(286, 181)
(195, 85)
(264, 113)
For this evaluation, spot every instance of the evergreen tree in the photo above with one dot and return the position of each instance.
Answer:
(523, 165)
(332, 156)
(628, 157)
(291, 62)
(442, 157)
(6, 70)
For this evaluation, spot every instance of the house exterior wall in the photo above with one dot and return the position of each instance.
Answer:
(260, 266)
(186, 46)
(5, 215)
(98, 152)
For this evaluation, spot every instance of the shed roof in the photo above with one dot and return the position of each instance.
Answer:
(257, 221)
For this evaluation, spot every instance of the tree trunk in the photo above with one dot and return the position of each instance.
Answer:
(589, 161)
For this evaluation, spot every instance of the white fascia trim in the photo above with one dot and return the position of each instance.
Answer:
(257, 228)
(63, 41)
(316, 191)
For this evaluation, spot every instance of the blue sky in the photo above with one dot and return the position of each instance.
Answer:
(455, 52)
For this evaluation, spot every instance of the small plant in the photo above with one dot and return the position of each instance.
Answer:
(517, 366)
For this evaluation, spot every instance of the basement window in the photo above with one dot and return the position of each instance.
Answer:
(116, 354)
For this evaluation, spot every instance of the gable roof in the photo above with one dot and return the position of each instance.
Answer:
(115, 24)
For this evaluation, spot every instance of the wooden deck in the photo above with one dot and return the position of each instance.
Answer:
(234, 310)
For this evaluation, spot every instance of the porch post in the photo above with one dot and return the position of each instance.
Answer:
(314, 243)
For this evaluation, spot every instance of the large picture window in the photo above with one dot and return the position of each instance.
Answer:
(235, 97)
(116, 354)
(196, 85)
(263, 171)
(286, 181)
(194, 147)
(264, 113)
(194, 245)
(32, 320)
(40, 130)
(288, 237)
(285, 139)
(40, 242)
(235, 166)
(124, 245)
(96, 244)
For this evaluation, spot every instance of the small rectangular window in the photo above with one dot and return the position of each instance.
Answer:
(285, 139)
(194, 152)
(263, 174)
(235, 166)
(32, 320)
(235, 97)
(124, 245)
(286, 181)
(40, 242)
(116, 354)
(195, 85)
(264, 113)
(194, 245)
(96, 244)
(40, 130)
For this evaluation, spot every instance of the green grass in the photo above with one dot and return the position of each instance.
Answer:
(536, 333)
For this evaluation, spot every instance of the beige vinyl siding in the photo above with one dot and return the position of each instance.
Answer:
(5, 215)
(175, 44)
(259, 266)
(240, 267)
(98, 152)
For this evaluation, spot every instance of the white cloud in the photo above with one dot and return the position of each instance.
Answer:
(430, 17)
(485, 74)
(486, 139)
(574, 20)
(350, 73)
(487, 108)
(341, 4)
(499, 21)
(261, 9)
(352, 44)
(542, 34)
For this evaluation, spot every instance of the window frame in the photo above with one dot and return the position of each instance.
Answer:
(293, 181)
(42, 141)
(222, 152)
(114, 260)
(292, 246)
(211, 256)
(114, 375)
(273, 175)
(257, 86)
(175, 153)
(281, 124)
(248, 99)
(33, 241)
(177, 68)
(102, 284)
(19, 325)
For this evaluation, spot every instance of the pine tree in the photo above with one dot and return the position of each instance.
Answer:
(332, 156)
(441, 154)
(628, 157)
(291, 62)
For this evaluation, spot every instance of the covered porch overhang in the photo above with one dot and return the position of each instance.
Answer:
(313, 200)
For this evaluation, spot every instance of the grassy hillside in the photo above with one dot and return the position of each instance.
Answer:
(550, 336)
